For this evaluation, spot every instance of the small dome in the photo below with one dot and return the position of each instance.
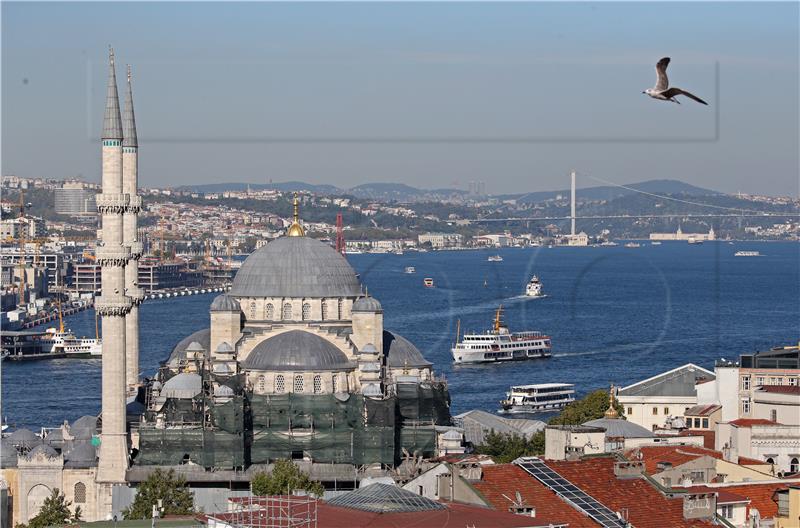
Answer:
(618, 428)
(452, 434)
(367, 304)
(82, 455)
(55, 438)
(225, 303)
(179, 352)
(222, 368)
(85, 422)
(224, 348)
(400, 352)
(371, 389)
(194, 346)
(296, 350)
(295, 267)
(23, 438)
(156, 385)
(369, 348)
(46, 450)
(223, 391)
(183, 386)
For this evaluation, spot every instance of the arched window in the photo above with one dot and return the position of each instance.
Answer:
(306, 311)
(280, 385)
(252, 310)
(334, 379)
(298, 383)
(79, 493)
(339, 309)
(794, 465)
(317, 384)
(269, 311)
(324, 310)
(770, 460)
(261, 385)
(287, 311)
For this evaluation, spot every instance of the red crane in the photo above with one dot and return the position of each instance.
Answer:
(339, 234)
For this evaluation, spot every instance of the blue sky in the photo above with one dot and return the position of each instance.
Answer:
(351, 93)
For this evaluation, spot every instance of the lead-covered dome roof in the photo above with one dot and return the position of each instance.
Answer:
(619, 428)
(295, 267)
(224, 303)
(400, 352)
(296, 350)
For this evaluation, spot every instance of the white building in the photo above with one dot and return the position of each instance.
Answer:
(680, 235)
(440, 240)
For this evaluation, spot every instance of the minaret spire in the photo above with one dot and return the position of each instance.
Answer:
(112, 122)
(128, 118)
(611, 413)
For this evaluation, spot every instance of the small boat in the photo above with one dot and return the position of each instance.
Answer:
(632, 245)
(500, 344)
(495, 258)
(693, 240)
(747, 254)
(542, 397)
(353, 252)
(410, 269)
(655, 243)
(428, 282)
(534, 288)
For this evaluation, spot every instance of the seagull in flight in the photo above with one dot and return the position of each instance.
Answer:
(662, 91)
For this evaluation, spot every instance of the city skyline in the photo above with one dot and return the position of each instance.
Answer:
(288, 92)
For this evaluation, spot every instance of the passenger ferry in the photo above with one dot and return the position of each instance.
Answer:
(410, 269)
(495, 258)
(542, 397)
(61, 341)
(534, 288)
(499, 344)
(747, 254)
(632, 245)
(428, 282)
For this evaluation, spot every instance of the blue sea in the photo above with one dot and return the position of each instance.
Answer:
(615, 314)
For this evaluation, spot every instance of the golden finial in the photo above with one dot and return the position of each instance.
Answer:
(611, 413)
(296, 230)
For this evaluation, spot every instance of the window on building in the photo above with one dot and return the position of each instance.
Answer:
(666, 410)
(775, 381)
(334, 383)
(261, 385)
(759, 381)
(339, 309)
(269, 311)
(324, 310)
(298, 383)
(705, 423)
(697, 476)
(746, 383)
(746, 406)
(306, 311)
(773, 415)
(655, 411)
(794, 465)
(793, 382)
(770, 460)
(79, 493)
(287, 311)
(317, 384)
(630, 411)
(280, 384)
(726, 510)
(253, 310)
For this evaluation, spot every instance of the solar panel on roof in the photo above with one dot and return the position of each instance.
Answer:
(579, 499)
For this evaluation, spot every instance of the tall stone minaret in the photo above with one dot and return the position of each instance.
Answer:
(130, 221)
(112, 305)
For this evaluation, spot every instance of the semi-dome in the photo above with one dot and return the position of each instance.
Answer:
(296, 350)
(225, 303)
(400, 352)
(179, 352)
(367, 304)
(295, 267)
(185, 385)
(618, 428)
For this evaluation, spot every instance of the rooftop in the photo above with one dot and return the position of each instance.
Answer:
(678, 455)
(679, 382)
(749, 422)
(385, 498)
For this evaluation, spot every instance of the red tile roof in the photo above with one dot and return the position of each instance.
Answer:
(709, 437)
(749, 422)
(723, 496)
(679, 454)
(646, 506)
(760, 496)
(505, 480)
(702, 410)
(780, 389)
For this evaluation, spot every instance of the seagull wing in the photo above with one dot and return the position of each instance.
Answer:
(662, 82)
(672, 92)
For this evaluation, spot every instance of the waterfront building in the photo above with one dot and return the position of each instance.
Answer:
(86, 278)
(74, 198)
(680, 235)
(154, 275)
(440, 240)
(579, 239)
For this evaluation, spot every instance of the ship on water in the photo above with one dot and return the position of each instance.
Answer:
(542, 397)
(534, 288)
(500, 344)
(747, 254)
(53, 343)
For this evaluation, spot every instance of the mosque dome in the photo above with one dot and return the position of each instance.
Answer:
(225, 303)
(179, 352)
(23, 437)
(185, 385)
(296, 350)
(223, 391)
(367, 304)
(46, 450)
(400, 352)
(295, 266)
(82, 455)
(618, 428)
(8, 454)
(85, 422)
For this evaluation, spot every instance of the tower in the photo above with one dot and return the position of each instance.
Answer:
(339, 234)
(572, 202)
(112, 305)
(130, 236)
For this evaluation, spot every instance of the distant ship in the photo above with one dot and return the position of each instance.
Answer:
(542, 397)
(655, 243)
(428, 282)
(632, 245)
(495, 258)
(61, 341)
(499, 344)
(410, 269)
(534, 288)
(747, 254)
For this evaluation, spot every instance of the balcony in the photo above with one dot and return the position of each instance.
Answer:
(112, 203)
(112, 255)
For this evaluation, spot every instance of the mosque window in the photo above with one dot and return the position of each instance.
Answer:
(334, 379)
(794, 465)
(253, 310)
(306, 311)
(324, 310)
(280, 385)
(339, 309)
(317, 384)
(287, 311)
(298, 383)
(261, 385)
(79, 493)
(269, 311)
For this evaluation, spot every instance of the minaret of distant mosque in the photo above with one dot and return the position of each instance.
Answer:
(130, 227)
(113, 304)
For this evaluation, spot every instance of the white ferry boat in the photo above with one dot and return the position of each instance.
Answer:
(499, 344)
(655, 243)
(534, 288)
(410, 269)
(542, 397)
(747, 254)
(495, 258)
(60, 341)
(632, 245)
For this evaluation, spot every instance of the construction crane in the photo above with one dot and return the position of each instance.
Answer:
(23, 279)
(339, 234)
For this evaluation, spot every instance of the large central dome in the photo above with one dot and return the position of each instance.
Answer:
(295, 267)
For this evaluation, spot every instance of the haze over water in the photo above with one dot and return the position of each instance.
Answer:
(615, 314)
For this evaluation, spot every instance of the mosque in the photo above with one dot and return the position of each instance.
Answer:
(295, 363)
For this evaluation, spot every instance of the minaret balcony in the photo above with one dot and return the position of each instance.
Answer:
(112, 202)
(134, 203)
(371, 366)
(114, 305)
(136, 249)
(136, 294)
(113, 255)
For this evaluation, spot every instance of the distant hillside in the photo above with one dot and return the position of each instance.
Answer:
(610, 192)
(279, 186)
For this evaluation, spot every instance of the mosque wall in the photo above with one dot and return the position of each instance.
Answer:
(293, 309)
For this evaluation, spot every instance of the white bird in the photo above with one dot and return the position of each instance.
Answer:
(662, 91)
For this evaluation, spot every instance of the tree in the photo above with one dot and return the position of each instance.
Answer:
(171, 490)
(592, 407)
(284, 477)
(54, 512)
(505, 447)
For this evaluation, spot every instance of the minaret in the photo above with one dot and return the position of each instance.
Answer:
(130, 224)
(112, 305)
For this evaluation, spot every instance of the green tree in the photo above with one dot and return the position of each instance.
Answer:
(171, 490)
(505, 447)
(54, 512)
(284, 477)
(592, 407)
